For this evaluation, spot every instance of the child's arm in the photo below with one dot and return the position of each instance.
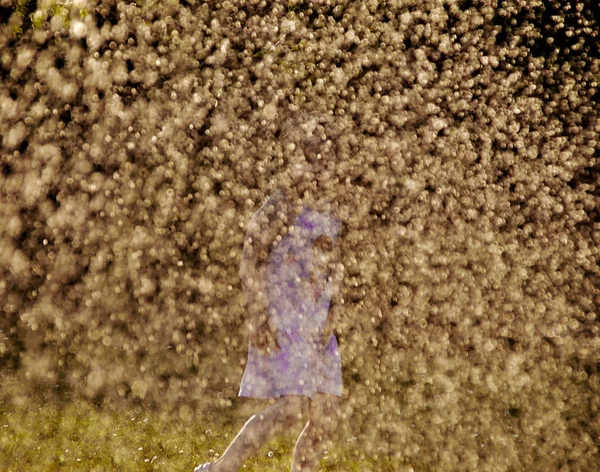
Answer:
(336, 305)
(262, 232)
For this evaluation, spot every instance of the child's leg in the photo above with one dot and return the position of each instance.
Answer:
(311, 443)
(259, 429)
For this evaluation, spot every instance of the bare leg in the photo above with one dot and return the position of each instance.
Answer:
(313, 440)
(259, 429)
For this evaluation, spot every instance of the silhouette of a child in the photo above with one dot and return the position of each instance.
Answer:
(291, 275)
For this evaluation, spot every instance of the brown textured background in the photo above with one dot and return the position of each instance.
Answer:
(466, 136)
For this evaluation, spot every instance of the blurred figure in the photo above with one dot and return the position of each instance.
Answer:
(291, 275)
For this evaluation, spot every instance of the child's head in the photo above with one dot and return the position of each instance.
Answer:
(307, 147)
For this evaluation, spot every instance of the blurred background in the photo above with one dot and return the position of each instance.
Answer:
(139, 137)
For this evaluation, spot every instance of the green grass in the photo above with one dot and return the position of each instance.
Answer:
(80, 437)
